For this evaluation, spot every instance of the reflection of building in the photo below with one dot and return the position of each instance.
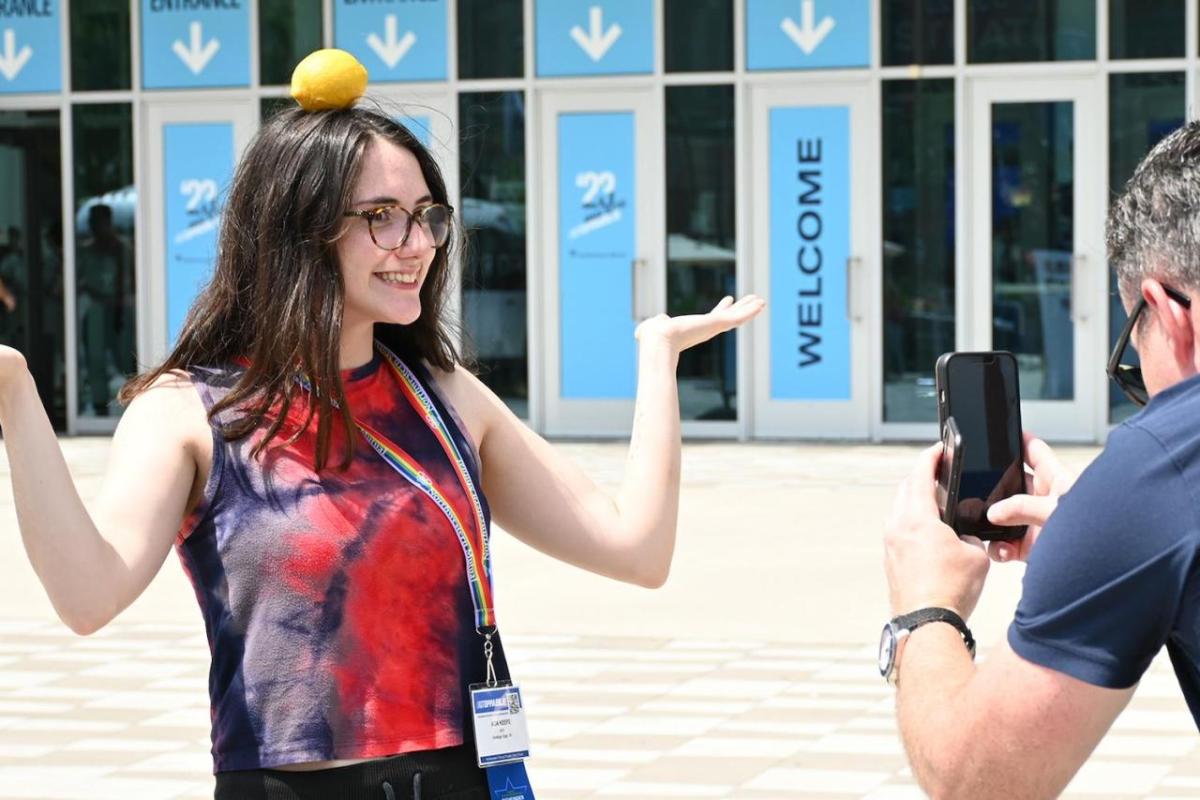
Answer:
(889, 211)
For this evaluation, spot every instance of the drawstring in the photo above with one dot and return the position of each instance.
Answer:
(390, 793)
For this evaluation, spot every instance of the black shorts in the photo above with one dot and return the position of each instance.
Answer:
(448, 774)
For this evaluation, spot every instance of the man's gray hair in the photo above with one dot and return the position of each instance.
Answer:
(1154, 226)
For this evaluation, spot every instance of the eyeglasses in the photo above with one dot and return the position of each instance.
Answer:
(1127, 376)
(390, 226)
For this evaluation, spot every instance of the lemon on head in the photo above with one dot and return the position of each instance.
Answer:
(328, 79)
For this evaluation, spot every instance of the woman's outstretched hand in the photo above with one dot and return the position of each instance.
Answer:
(689, 330)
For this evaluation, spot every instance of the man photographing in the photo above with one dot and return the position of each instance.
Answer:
(1113, 557)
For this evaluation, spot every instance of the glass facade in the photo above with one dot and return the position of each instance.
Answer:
(1033, 243)
(31, 255)
(491, 39)
(105, 286)
(918, 243)
(1001, 31)
(288, 30)
(100, 52)
(698, 35)
(494, 286)
(701, 239)
(1145, 30)
(1142, 109)
(982, 225)
(917, 32)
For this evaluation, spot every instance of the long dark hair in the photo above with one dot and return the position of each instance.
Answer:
(276, 294)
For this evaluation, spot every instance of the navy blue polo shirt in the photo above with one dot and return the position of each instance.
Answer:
(1114, 575)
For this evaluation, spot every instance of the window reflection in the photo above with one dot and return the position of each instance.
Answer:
(1143, 108)
(1137, 29)
(918, 32)
(1033, 243)
(1030, 30)
(288, 30)
(491, 39)
(918, 248)
(698, 35)
(493, 211)
(31, 256)
(100, 45)
(105, 293)
(701, 243)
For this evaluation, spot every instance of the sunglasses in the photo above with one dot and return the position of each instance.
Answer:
(1127, 376)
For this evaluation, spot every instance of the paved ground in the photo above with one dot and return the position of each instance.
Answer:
(751, 675)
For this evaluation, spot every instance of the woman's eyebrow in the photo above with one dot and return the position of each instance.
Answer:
(391, 201)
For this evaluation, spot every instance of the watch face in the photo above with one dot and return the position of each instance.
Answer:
(887, 649)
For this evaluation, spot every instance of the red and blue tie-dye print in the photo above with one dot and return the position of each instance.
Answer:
(337, 606)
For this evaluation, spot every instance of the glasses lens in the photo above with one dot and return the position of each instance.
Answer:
(435, 221)
(388, 226)
(1129, 379)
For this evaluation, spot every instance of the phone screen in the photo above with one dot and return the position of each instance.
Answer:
(982, 396)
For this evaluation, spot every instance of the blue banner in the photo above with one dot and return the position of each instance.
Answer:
(184, 47)
(808, 34)
(810, 246)
(30, 46)
(597, 238)
(197, 167)
(397, 40)
(595, 37)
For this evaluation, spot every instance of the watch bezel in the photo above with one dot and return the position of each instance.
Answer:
(889, 641)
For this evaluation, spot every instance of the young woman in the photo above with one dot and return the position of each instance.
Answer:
(327, 472)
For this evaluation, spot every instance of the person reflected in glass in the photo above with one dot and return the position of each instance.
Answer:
(103, 277)
(12, 264)
(327, 468)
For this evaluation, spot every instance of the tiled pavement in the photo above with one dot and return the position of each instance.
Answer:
(123, 715)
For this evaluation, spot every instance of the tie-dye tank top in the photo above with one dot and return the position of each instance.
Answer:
(337, 608)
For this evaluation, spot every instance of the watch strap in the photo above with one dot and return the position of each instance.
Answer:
(915, 619)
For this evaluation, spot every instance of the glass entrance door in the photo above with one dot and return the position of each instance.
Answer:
(1036, 278)
(603, 250)
(31, 251)
(815, 193)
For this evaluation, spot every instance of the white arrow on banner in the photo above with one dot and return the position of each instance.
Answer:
(391, 51)
(12, 62)
(197, 56)
(807, 35)
(598, 41)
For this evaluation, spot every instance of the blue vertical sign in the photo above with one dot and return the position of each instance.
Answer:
(597, 240)
(198, 165)
(808, 34)
(396, 40)
(810, 246)
(195, 45)
(30, 46)
(595, 37)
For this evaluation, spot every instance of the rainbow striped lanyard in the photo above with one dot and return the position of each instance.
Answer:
(472, 538)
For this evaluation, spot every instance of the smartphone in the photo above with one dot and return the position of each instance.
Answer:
(980, 391)
(949, 471)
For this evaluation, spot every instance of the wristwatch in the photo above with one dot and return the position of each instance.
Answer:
(896, 632)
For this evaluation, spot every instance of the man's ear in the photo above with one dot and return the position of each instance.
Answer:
(1176, 322)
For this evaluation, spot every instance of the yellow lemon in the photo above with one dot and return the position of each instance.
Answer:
(328, 79)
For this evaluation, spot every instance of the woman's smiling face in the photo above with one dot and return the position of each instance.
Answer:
(385, 285)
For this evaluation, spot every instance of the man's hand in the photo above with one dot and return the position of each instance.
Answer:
(1049, 481)
(926, 563)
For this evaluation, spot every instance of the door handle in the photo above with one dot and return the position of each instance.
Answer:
(635, 283)
(1078, 269)
(853, 263)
